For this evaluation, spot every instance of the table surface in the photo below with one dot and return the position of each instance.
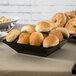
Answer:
(59, 63)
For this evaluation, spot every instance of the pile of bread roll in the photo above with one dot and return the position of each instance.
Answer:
(67, 20)
(47, 34)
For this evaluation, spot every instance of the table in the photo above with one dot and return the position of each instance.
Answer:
(59, 63)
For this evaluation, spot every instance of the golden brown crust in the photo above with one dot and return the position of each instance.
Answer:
(53, 26)
(42, 26)
(59, 19)
(71, 26)
(28, 28)
(57, 33)
(74, 11)
(50, 41)
(64, 31)
(69, 15)
(36, 39)
(24, 38)
(12, 35)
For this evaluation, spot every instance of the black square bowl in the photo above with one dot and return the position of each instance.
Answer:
(74, 69)
(34, 50)
(72, 38)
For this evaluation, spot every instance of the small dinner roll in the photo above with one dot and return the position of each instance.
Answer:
(50, 41)
(28, 28)
(42, 26)
(45, 34)
(57, 33)
(24, 38)
(12, 35)
(64, 31)
(36, 39)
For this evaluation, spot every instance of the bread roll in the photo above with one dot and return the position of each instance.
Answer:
(28, 28)
(36, 39)
(42, 26)
(57, 33)
(12, 35)
(64, 31)
(24, 38)
(50, 41)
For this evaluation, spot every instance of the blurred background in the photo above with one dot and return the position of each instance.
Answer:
(32, 11)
